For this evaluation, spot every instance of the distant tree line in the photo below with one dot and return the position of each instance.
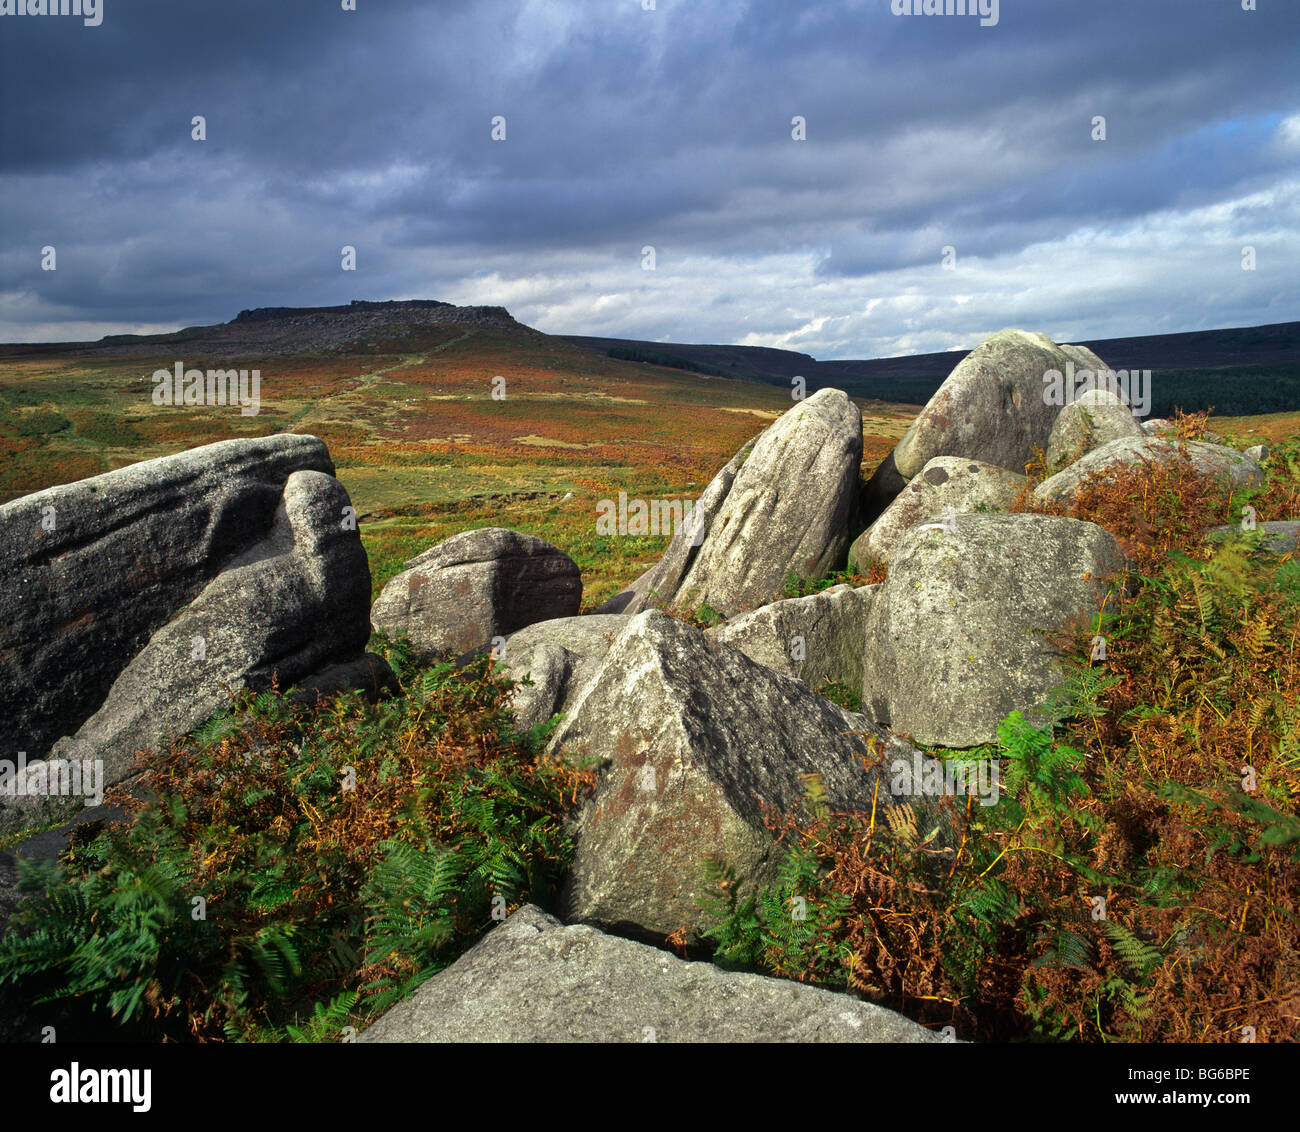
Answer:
(656, 358)
(1238, 391)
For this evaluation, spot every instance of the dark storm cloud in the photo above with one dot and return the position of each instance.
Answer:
(670, 128)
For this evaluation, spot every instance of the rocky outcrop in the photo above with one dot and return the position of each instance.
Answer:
(467, 590)
(89, 571)
(994, 406)
(1206, 459)
(693, 738)
(136, 601)
(310, 569)
(532, 979)
(783, 504)
(815, 639)
(556, 657)
(946, 485)
(955, 636)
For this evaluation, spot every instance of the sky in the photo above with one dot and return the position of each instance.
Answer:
(836, 178)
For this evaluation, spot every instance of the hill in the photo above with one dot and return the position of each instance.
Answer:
(1242, 370)
(403, 394)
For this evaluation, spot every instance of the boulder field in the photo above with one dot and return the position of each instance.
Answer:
(132, 603)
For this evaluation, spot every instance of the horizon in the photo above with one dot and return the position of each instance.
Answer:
(848, 183)
(343, 307)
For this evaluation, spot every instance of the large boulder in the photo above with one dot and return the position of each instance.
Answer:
(782, 505)
(947, 484)
(692, 738)
(815, 639)
(290, 604)
(994, 406)
(556, 657)
(1089, 369)
(532, 979)
(1095, 418)
(1206, 459)
(89, 571)
(653, 588)
(955, 636)
(475, 586)
(137, 600)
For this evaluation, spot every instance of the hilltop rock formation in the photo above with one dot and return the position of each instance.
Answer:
(532, 979)
(361, 325)
(954, 638)
(782, 505)
(460, 594)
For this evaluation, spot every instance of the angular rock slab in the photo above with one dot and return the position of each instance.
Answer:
(954, 639)
(532, 979)
(815, 639)
(782, 505)
(557, 657)
(1207, 460)
(993, 407)
(458, 595)
(89, 571)
(289, 605)
(1095, 418)
(692, 736)
(945, 483)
